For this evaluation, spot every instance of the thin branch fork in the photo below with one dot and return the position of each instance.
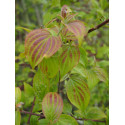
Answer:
(25, 112)
(28, 122)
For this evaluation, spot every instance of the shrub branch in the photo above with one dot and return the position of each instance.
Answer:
(42, 116)
(59, 83)
(31, 110)
(98, 26)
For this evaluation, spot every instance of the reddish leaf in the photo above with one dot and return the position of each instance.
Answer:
(40, 43)
(52, 106)
(78, 92)
(75, 30)
(68, 59)
(65, 10)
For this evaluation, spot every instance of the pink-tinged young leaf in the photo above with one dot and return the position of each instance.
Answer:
(77, 28)
(70, 17)
(67, 35)
(69, 59)
(40, 43)
(65, 10)
(78, 92)
(52, 106)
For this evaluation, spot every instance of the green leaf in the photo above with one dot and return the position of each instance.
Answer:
(40, 43)
(50, 66)
(66, 120)
(40, 84)
(107, 120)
(79, 69)
(92, 79)
(68, 59)
(77, 28)
(21, 56)
(52, 106)
(102, 51)
(37, 106)
(26, 29)
(101, 74)
(34, 120)
(95, 113)
(28, 89)
(17, 118)
(78, 92)
(103, 63)
(26, 99)
(17, 95)
(43, 122)
(54, 83)
(90, 123)
(83, 57)
(89, 74)
(67, 107)
(55, 3)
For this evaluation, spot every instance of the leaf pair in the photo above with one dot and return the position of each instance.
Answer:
(68, 58)
(43, 43)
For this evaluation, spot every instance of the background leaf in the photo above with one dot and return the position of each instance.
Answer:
(101, 74)
(83, 57)
(43, 122)
(91, 123)
(95, 113)
(67, 107)
(92, 79)
(17, 95)
(28, 89)
(17, 118)
(66, 120)
(34, 120)
(23, 28)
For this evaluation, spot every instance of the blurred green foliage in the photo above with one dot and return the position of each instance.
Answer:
(33, 14)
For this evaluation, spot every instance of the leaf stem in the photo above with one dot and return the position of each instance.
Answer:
(59, 83)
